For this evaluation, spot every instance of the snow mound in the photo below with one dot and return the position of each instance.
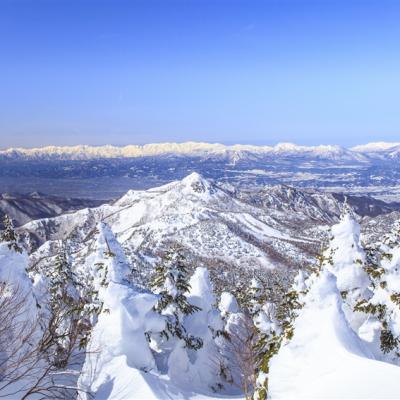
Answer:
(348, 255)
(120, 330)
(325, 358)
(228, 304)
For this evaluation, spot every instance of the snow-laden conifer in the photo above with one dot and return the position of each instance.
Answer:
(67, 325)
(274, 327)
(381, 328)
(345, 258)
(9, 236)
(171, 283)
(118, 346)
(325, 357)
(201, 368)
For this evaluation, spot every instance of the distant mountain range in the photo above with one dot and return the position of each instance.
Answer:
(360, 153)
(22, 208)
(106, 172)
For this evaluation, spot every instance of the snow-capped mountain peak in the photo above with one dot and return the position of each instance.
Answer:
(196, 184)
(85, 152)
(195, 178)
(375, 147)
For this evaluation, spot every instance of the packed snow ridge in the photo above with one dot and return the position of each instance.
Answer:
(195, 149)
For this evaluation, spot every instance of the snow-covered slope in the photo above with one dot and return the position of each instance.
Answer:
(325, 358)
(318, 206)
(22, 208)
(227, 229)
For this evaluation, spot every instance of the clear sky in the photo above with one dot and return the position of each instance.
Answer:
(120, 72)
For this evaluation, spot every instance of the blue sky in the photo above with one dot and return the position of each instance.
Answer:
(230, 71)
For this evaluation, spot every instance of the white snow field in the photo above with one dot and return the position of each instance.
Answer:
(325, 359)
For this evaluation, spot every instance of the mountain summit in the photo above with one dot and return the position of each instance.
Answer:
(219, 229)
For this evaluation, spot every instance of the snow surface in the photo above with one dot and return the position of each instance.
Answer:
(325, 358)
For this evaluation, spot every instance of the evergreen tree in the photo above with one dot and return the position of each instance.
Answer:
(274, 324)
(9, 236)
(171, 283)
(207, 364)
(382, 306)
(346, 259)
(237, 345)
(67, 325)
(253, 297)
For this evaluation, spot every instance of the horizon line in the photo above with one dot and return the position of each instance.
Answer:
(193, 142)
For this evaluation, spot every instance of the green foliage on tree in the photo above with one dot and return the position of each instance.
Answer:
(384, 307)
(268, 344)
(273, 307)
(69, 324)
(171, 283)
(9, 236)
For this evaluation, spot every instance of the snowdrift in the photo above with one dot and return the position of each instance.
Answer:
(325, 358)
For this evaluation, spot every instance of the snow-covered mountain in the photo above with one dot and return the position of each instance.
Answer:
(83, 152)
(219, 230)
(379, 150)
(22, 208)
(358, 153)
(228, 230)
(375, 147)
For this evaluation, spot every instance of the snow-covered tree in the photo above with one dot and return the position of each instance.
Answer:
(29, 348)
(252, 296)
(237, 345)
(325, 357)
(9, 236)
(68, 325)
(343, 308)
(200, 368)
(345, 258)
(118, 348)
(381, 328)
(274, 326)
(171, 283)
